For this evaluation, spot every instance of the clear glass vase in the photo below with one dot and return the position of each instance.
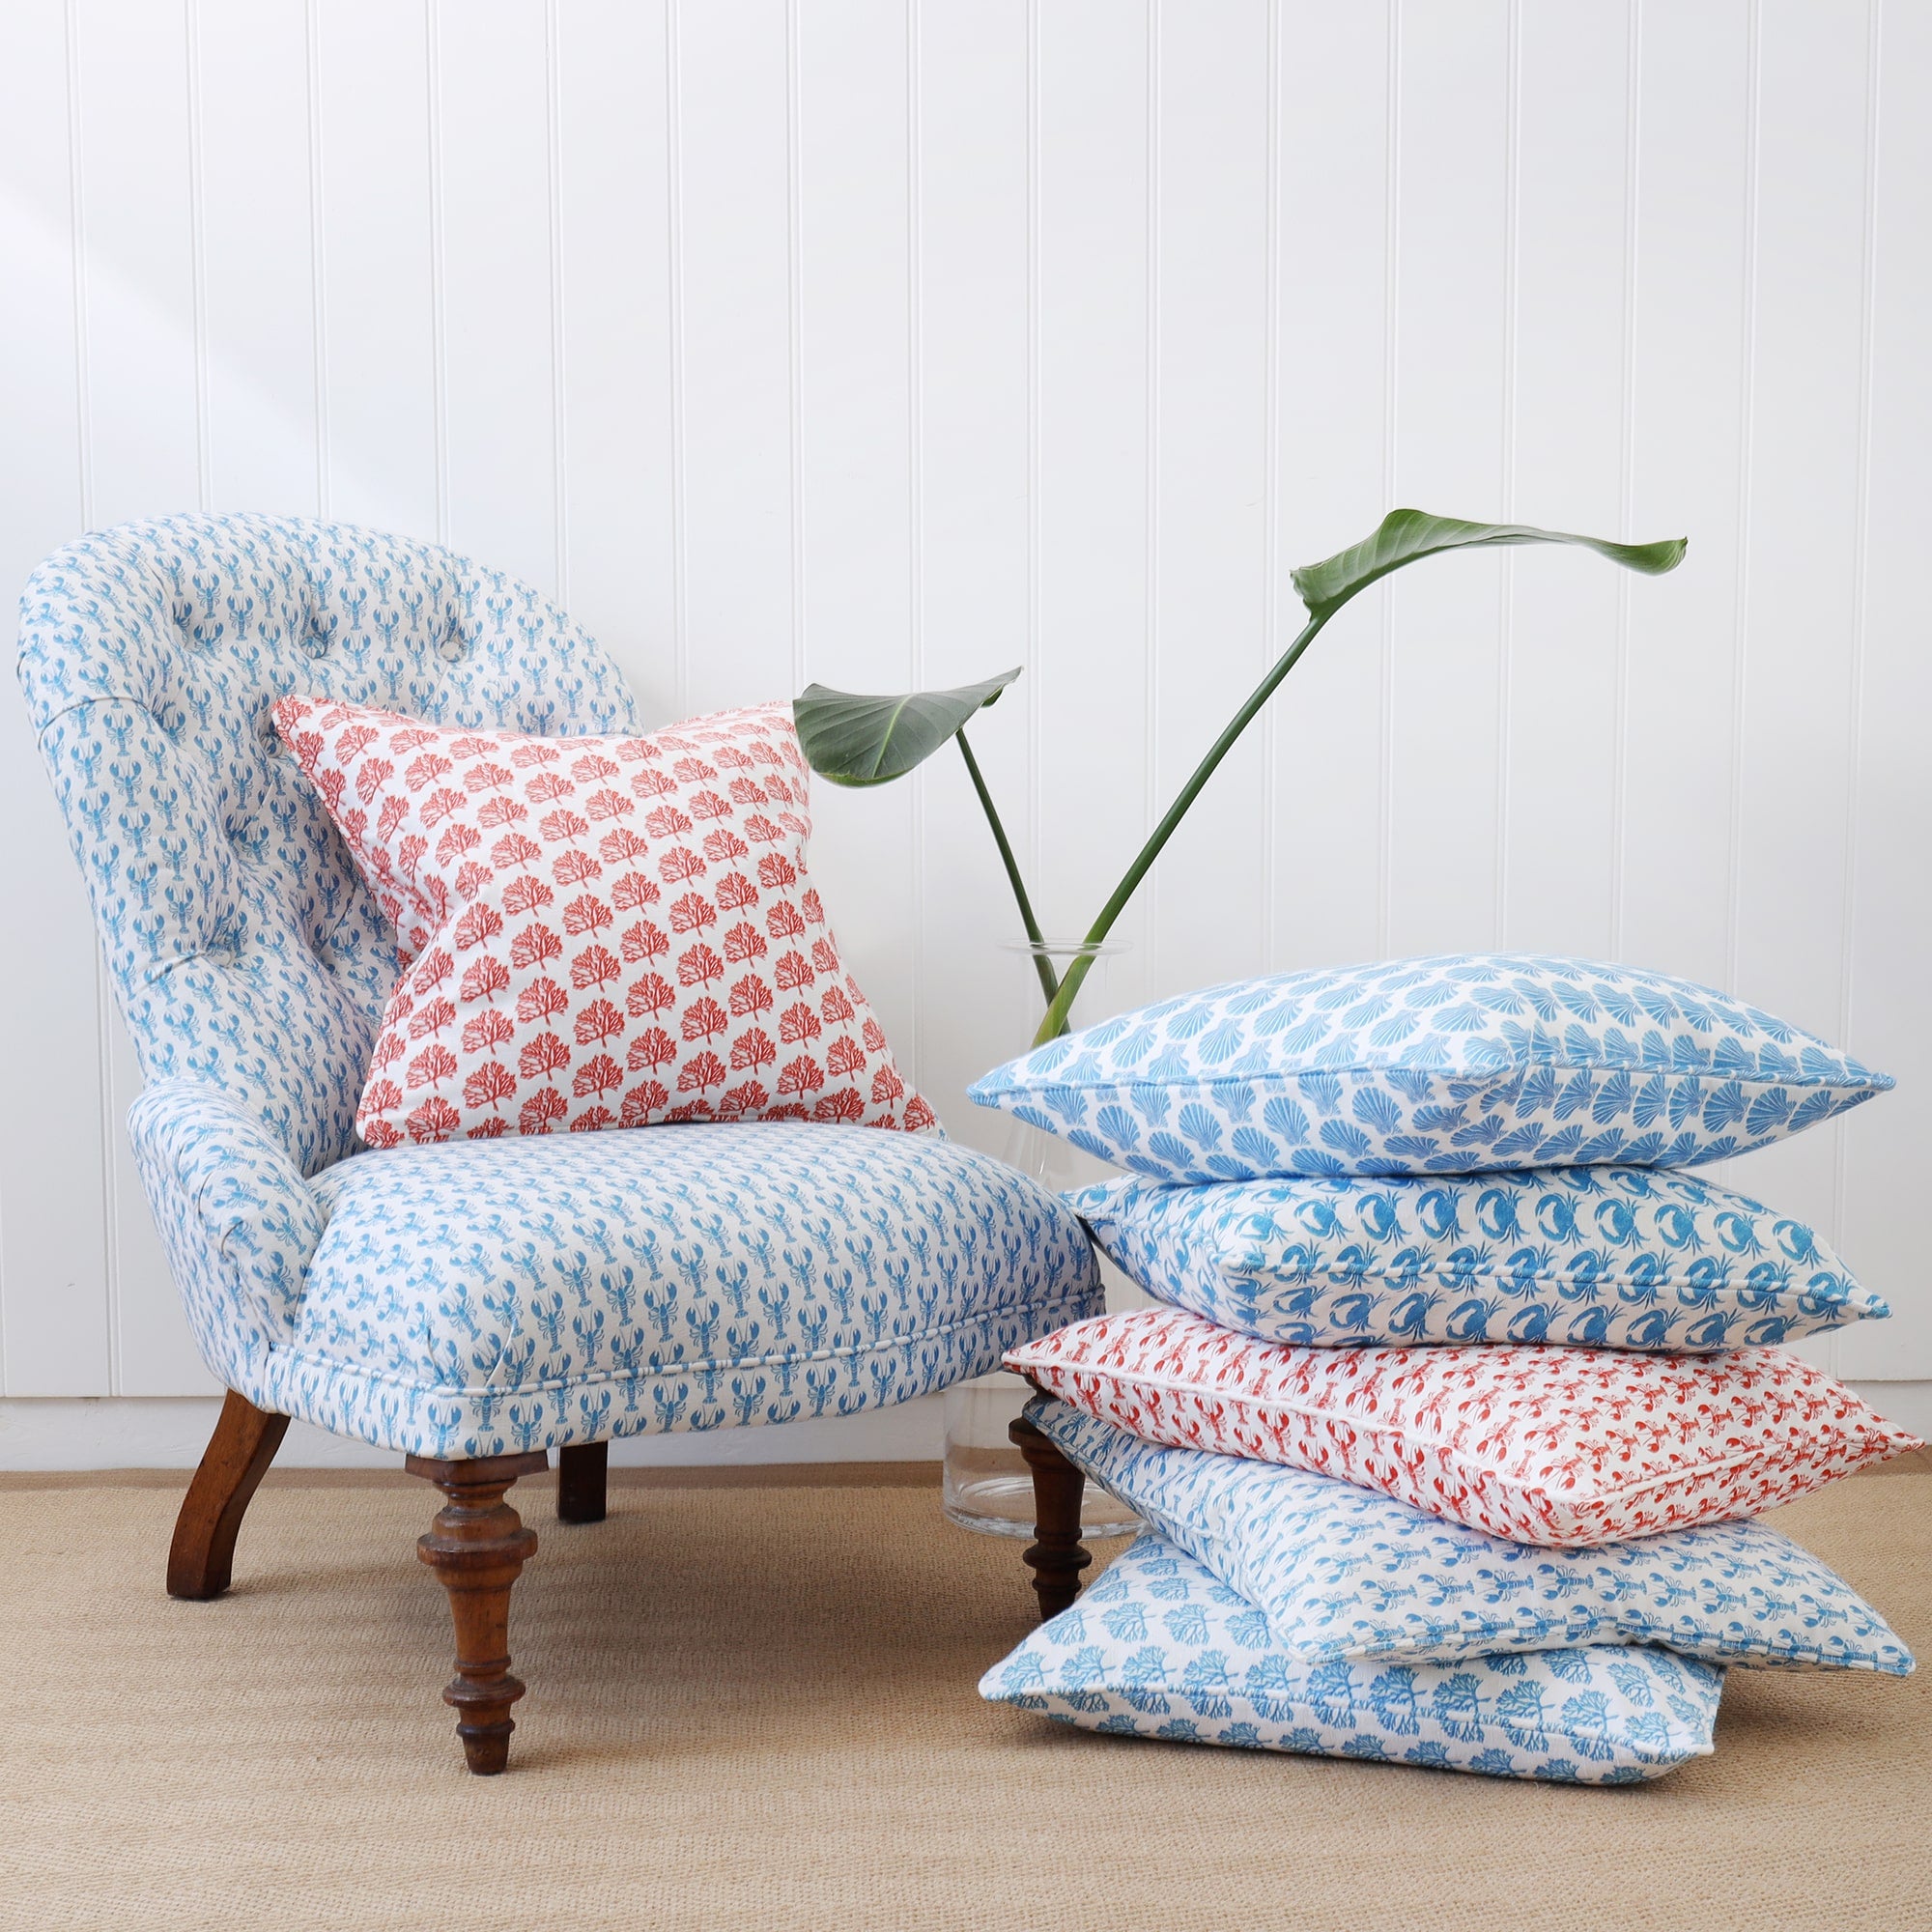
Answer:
(988, 1485)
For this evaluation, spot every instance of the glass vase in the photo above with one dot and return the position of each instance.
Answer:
(988, 1485)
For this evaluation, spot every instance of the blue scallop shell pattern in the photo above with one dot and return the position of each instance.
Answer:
(487, 1297)
(1581, 1257)
(1452, 1065)
(1341, 1572)
(1157, 1648)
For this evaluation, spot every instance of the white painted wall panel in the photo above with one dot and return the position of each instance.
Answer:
(54, 1284)
(1334, 85)
(613, 322)
(1888, 934)
(1453, 114)
(972, 560)
(1806, 436)
(254, 187)
(1093, 485)
(890, 341)
(382, 387)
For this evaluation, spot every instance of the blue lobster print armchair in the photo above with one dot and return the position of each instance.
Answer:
(473, 1305)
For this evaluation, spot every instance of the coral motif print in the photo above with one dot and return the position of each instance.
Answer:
(1453, 1065)
(1157, 1648)
(1563, 1447)
(596, 932)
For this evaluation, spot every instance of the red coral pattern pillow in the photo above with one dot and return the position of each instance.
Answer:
(1563, 1447)
(596, 932)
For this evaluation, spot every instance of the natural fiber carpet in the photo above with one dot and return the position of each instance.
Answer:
(754, 1707)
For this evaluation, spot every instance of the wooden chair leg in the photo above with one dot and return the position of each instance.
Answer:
(201, 1560)
(1057, 1556)
(478, 1547)
(582, 1473)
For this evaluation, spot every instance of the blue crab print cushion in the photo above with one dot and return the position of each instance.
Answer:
(1442, 1066)
(1341, 1572)
(1157, 1648)
(1585, 1257)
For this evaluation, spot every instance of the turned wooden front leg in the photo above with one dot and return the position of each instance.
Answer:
(1057, 1557)
(478, 1547)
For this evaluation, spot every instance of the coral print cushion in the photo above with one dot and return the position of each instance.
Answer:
(1158, 1648)
(1342, 1571)
(1592, 1257)
(1442, 1066)
(596, 932)
(1563, 1447)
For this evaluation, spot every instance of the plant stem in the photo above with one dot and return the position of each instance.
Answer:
(1042, 965)
(1061, 1003)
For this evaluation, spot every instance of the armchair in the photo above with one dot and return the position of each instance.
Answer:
(473, 1305)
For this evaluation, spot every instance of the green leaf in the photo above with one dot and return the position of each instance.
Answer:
(1404, 535)
(868, 741)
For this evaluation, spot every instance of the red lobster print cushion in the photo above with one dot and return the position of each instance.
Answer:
(1562, 1447)
(596, 932)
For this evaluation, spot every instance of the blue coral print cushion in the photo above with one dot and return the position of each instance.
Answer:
(1341, 1572)
(1158, 1648)
(1441, 1065)
(1585, 1257)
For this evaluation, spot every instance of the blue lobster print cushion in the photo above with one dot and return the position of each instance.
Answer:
(1583, 1257)
(1157, 1648)
(1341, 1572)
(1443, 1065)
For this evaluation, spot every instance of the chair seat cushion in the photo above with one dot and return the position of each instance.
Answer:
(475, 1299)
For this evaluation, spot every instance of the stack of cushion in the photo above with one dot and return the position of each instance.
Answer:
(1463, 1396)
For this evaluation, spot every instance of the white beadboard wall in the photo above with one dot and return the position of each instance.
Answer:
(892, 342)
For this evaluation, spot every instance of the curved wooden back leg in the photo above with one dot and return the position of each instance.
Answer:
(202, 1556)
(1057, 1556)
(478, 1547)
(583, 1475)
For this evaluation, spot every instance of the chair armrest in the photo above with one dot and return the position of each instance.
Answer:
(236, 1218)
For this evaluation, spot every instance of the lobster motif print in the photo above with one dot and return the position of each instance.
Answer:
(1562, 1447)
(1346, 1573)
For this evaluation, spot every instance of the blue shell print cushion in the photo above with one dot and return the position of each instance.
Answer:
(1161, 1648)
(1452, 1065)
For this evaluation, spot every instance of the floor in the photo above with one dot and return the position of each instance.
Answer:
(754, 1706)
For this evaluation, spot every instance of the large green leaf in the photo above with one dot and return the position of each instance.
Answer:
(868, 741)
(1404, 535)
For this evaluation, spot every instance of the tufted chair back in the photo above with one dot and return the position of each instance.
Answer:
(244, 950)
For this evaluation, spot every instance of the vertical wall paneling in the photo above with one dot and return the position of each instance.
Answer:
(54, 1329)
(1573, 124)
(1889, 930)
(1691, 367)
(257, 255)
(492, 104)
(371, 90)
(144, 337)
(732, 242)
(853, 87)
(1206, 910)
(1454, 249)
(1335, 85)
(971, 520)
(1806, 452)
(611, 138)
(1092, 259)
(895, 342)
